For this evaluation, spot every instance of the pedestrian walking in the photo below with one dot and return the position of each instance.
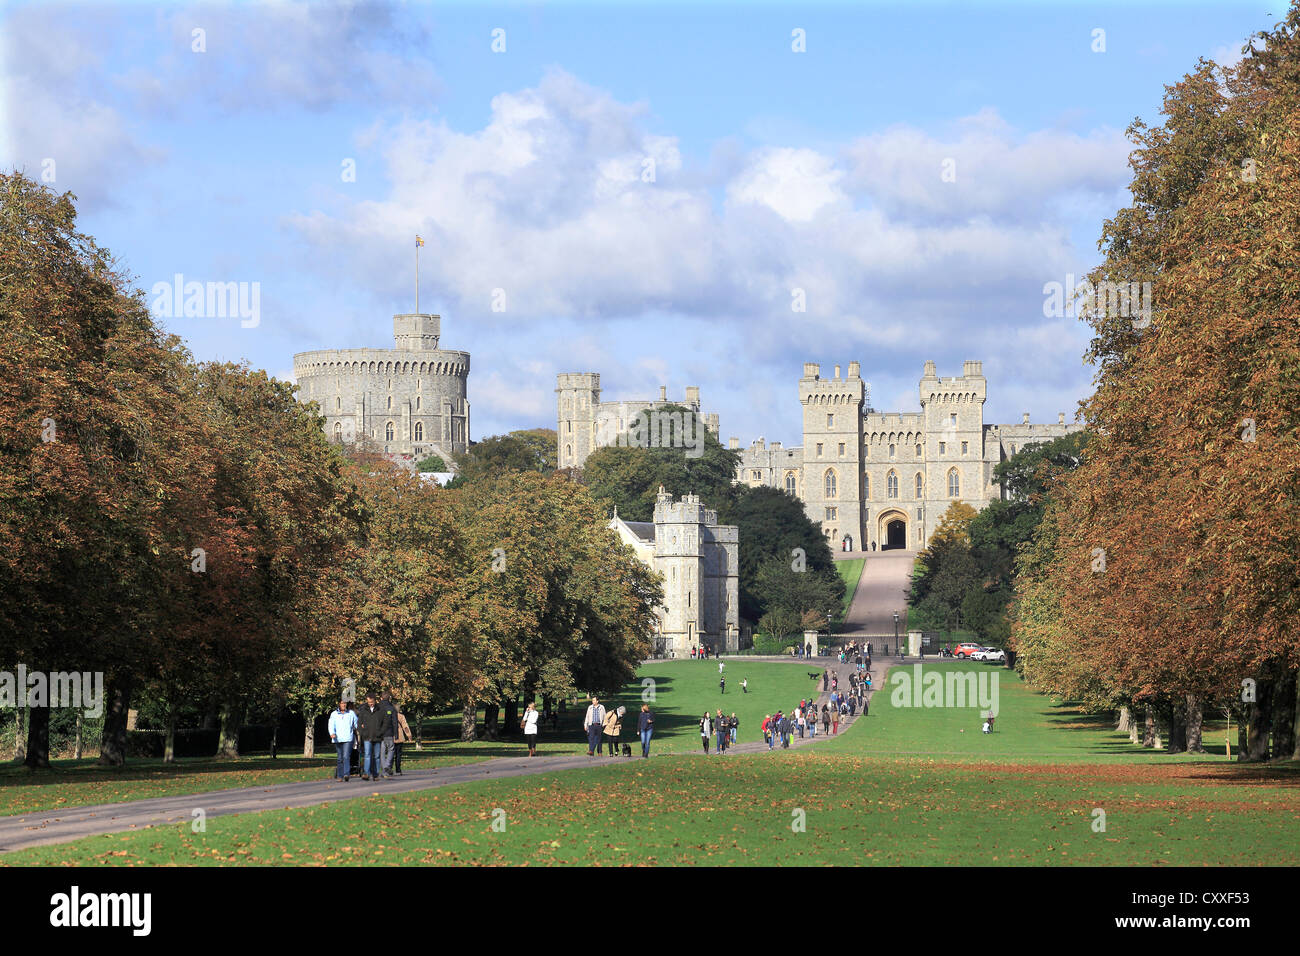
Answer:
(388, 733)
(370, 718)
(592, 724)
(400, 740)
(706, 730)
(343, 733)
(613, 727)
(722, 684)
(529, 726)
(645, 726)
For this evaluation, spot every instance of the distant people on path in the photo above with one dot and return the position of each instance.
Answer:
(613, 727)
(766, 727)
(826, 679)
(592, 724)
(785, 731)
(402, 737)
(529, 725)
(343, 733)
(706, 730)
(826, 719)
(645, 726)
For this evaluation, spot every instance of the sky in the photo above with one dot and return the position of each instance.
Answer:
(675, 194)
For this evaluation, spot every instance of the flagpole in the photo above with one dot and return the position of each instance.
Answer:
(417, 278)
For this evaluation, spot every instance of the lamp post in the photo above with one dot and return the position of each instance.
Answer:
(896, 643)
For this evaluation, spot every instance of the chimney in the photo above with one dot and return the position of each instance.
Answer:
(812, 370)
(1025, 421)
(733, 443)
(837, 373)
(855, 370)
(663, 393)
(693, 395)
(1060, 418)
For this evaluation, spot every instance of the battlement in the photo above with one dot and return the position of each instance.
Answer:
(416, 332)
(578, 380)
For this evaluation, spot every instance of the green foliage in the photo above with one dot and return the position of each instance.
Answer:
(527, 450)
(433, 463)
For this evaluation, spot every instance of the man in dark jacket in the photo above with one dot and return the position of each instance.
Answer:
(388, 733)
(371, 718)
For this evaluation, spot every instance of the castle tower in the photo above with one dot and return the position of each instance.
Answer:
(832, 452)
(416, 332)
(952, 410)
(578, 402)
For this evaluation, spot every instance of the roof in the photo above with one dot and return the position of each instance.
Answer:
(645, 530)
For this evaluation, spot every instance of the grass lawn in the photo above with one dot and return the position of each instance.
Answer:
(682, 689)
(851, 572)
(1025, 794)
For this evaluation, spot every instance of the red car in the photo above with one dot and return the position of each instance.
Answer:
(966, 650)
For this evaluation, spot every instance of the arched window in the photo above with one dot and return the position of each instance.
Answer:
(954, 484)
(419, 431)
(920, 486)
(918, 451)
(390, 401)
(866, 487)
(338, 431)
(388, 432)
(891, 451)
(790, 486)
(417, 403)
(338, 402)
(891, 484)
(830, 482)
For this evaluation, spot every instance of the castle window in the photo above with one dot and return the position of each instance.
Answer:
(891, 484)
(419, 431)
(918, 451)
(920, 486)
(831, 514)
(830, 421)
(390, 402)
(338, 431)
(952, 419)
(943, 447)
(841, 449)
(758, 475)
(954, 484)
(819, 449)
(891, 451)
(568, 452)
(388, 432)
(965, 447)
(338, 403)
(866, 486)
(830, 483)
(417, 403)
(789, 482)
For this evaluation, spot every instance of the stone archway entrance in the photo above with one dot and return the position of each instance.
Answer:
(892, 532)
(847, 543)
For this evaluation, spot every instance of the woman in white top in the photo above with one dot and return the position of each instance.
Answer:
(706, 730)
(529, 723)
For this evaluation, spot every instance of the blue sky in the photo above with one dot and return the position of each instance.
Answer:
(525, 172)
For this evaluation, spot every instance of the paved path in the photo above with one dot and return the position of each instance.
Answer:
(882, 590)
(61, 826)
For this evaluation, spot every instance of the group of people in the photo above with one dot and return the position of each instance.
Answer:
(601, 723)
(857, 653)
(724, 727)
(379, 727)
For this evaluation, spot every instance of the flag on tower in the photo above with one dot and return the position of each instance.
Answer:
(418, 241)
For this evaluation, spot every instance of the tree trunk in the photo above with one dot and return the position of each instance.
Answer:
(112, 742)
(1177, 712)
(169, 742)
(309, 732)
(20, 730)
(76, 745)
(512, 715)
(1195, 724)
(1149, 727)
(1284, 716)
(1295, 724)
(419, 729)
(228, 741)
(1260, 716)
(491, 721)
(1243, 747)
(1125, 721)
(467, 717)
(38, 738)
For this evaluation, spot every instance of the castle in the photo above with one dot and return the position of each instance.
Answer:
(866, 478)
(884, 479)
(409, 400)
(699, 561)
(585, 423)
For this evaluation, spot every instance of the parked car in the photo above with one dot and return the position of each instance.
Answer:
(966, 651)
(990, 655)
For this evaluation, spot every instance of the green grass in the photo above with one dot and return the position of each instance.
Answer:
(1026, 794)
(851, 572)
